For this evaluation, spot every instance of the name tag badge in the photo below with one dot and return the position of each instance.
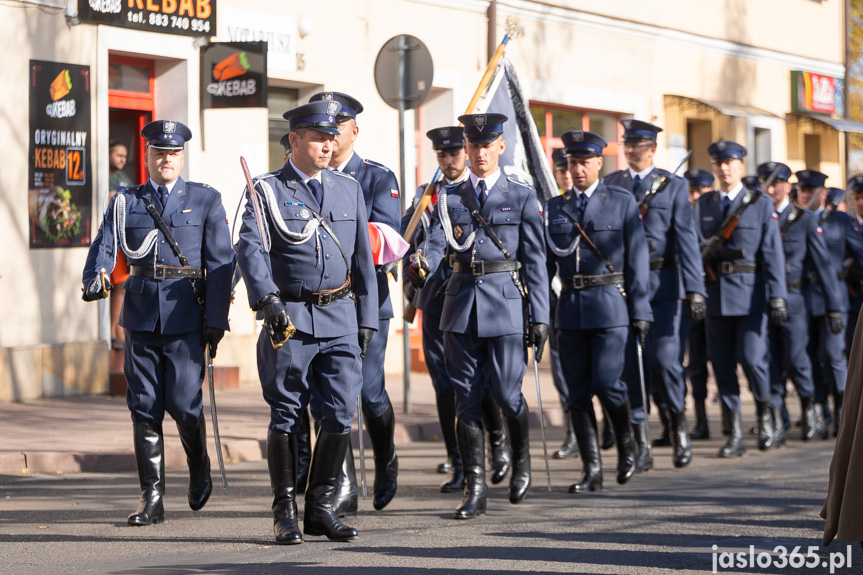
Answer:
(187, 211)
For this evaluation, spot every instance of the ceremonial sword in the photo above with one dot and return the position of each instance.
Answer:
(210, 368)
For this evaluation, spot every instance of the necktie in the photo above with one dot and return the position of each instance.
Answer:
(636, 181)
(726, 205)
(582, 205)
(163, 196)
(481, 193)
(315, 187)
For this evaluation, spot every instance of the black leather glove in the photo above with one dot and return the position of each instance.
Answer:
(835, 322)
(409, 290)
(641, 327)
(212, 337)
(697, 306)
(537, 336)
(414, 275)
(391, 268)
(777, 313)
(275, 313)
(552, 303)
(93, 291)
(364, 336)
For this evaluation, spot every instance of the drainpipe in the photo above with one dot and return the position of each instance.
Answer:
(492, 29)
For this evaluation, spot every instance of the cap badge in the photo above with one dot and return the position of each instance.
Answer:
(444, 132)
(578, 137)
(332, 107)
(169, 127)
(721, 145)
(479, 121)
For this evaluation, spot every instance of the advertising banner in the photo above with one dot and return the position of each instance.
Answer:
(185, 17)
(60, 194)
(816, 93)
(234, 75)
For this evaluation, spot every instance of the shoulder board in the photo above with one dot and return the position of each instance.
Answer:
(376, 164)
(342, 175)
(202, 185)
(256, 179)
(663, 172)
(515, 180)
(131, 189)
(618, 189)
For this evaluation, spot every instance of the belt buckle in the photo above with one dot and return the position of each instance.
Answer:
(156, 272)
(325, 298)
(726, 268)
(578, 282)
(477, 268)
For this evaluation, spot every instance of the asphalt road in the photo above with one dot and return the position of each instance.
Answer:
(665, 521)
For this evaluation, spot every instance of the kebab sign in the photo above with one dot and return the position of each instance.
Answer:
(60, 185)
(233, 75)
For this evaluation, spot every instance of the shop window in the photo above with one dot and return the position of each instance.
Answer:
(812, 151)
(279, 101)
(699, 135)
(762, 146)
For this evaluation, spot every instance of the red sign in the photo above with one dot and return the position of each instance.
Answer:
(816, 93)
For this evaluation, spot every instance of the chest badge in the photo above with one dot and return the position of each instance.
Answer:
(304, 213)
(457, 232)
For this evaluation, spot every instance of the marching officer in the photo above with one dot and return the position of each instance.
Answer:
(320, 278)
(855, 273)
(827, 327)
(693, 338)
(745, 279)
(805, 249)
(448, 144)
(381, 194)
(493, 234)
(676, 273)
(596, 244)
(175, 237)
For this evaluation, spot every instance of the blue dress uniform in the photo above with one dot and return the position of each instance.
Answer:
(165, 327)
(854, 278)
(483, 317)
(749, 269)
(381, 195)
(323, 278)
(826, 333)
(676, 273)
(593, 317)
(693, 338)
(429, 299)
(805, 249)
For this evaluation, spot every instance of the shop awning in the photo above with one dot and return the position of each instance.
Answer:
(725, 108)
(836, 123)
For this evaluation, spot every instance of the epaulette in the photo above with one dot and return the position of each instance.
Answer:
(343, 175)
(130, 189)
(203, 185)
(267, 175)
(619, 190)
(376, 164)
(515, 180)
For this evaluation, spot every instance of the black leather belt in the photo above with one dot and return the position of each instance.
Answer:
(162, 272)
(742, 268)
(582, 281)
(663, 263)
(797, 284)
(483, 268)
(325, 297)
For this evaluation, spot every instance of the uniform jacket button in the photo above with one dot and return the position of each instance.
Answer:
(326, 276)
(326, 257)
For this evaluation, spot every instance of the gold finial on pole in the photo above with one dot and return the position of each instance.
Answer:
(512, 28)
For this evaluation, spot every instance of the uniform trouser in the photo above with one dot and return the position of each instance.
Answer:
(696, 368)
(435, 357)
(557, 367)
(851, 327)
(505, 361)
(305, 367)
(788, 357)
(164, 373)
(661, 358)
(592, 363)
(733, 338)
(827, 353)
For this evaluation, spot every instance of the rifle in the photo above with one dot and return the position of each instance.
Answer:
(659, 184)
(715, 246)
(831, 207)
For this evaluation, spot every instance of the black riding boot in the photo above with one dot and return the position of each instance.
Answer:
(809, 423)
(304, 451)
(778, 425)
(319, 517)
(821, 431)
(345, 500)
(607, 433)
(497, 440)
(446, 417)
(194, 440)
(569, 447)
(282, 463)
(644, 457)
(627, 451)
(381, 431)
(701, 429)
(584, 426)
(150, 458)
(519, 481)
(736, 446)
(471, 447)
(765, 425)
(664, 438)
(680, 440)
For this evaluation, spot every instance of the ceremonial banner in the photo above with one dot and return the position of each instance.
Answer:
(60, 184)
(524, 156)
